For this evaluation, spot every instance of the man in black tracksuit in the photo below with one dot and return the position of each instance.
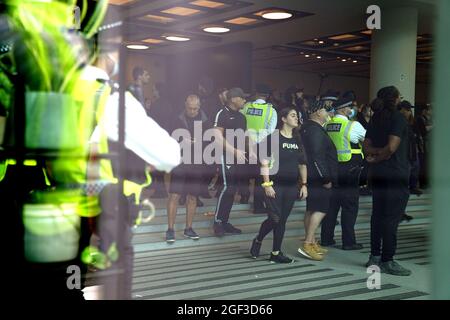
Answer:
(228, 119)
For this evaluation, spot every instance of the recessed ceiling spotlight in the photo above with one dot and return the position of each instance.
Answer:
(321, 42)
(216, 29)
(276, 15)
(306, 55)
(344, 60)
(336, 44)
(177, 38)
(302, 52)
(355, 61)
(137, 46)
(319, 57)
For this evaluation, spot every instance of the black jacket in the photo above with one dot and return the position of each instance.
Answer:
(320, 152)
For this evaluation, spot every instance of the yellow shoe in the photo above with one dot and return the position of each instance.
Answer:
(308, 250)
(319, 249)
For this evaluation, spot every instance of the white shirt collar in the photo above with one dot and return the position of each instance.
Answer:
(94, 73)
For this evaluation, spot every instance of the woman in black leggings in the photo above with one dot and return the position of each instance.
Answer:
(287, 164)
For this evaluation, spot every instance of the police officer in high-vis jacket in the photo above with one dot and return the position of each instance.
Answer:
(262, 120)
(347, 135)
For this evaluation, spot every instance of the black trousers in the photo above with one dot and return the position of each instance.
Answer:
(346, 197)
(280, 208)
(248, 172)
(390, 197)
(115, 226)
(230, 174)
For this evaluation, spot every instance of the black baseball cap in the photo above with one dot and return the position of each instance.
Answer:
(236, 93)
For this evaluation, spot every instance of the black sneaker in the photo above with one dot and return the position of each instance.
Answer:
(392, 267)
(191, 234)
(373, 261)
(416, 191)
(219, 230)
(229, 228)
(256, 247)
(406, 217)
(170, 236)
(280, 258)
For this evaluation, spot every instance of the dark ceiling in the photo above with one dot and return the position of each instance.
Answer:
(315, 39)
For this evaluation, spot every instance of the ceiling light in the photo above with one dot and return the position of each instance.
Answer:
(277, 15)
(176, 38)
(336, 44)
(321, 42)
(153, 41)
(356, 48)
(319, 57)
(158, 19)
(216, 29)
(344, 60)
(346, 36)
(355, 61)
(181, 11)
(137, 46)
(242, 21)
(209, 4)
(302, 52)
(306, 55)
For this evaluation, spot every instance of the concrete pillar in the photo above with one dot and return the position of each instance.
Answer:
(440, 173)
(393, 52)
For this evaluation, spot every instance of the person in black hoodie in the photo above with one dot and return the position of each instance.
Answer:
(322, 166)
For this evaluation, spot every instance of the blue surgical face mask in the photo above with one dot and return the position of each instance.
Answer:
(352, 114)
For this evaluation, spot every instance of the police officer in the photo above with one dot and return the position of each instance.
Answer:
(347, 137)
(162, 153)
(261, 121)
(329, 99)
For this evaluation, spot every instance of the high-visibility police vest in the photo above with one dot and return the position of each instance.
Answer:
(258, 117)
(338, 130)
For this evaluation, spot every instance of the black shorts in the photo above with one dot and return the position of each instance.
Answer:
(318, 199)
(186, 179)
